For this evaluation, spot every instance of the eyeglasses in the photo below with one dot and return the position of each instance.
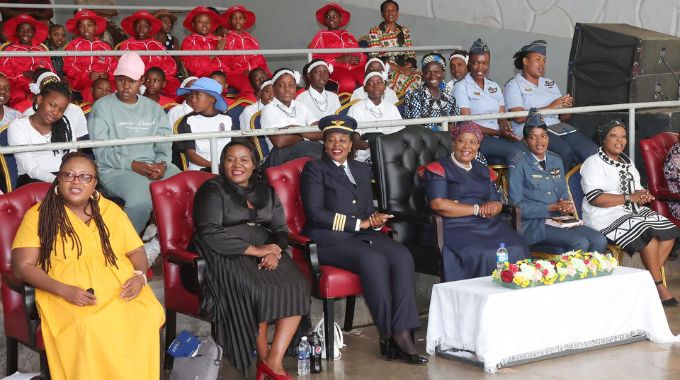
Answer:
(70, 177)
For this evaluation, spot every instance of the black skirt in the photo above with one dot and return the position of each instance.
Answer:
(238, 297)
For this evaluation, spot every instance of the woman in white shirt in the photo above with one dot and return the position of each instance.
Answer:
(47, 125)
(614, 205)
(317, 100)
(373, 108)
(284, 111)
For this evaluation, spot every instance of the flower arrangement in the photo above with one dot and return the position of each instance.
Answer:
(573, 265)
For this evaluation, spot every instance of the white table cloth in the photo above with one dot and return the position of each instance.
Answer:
(503, 325)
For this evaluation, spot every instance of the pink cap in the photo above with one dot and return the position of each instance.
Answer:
(130, 65)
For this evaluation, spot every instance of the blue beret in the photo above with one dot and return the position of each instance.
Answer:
(337, 123)
(479, 47)
(538, 46)
(534, 119)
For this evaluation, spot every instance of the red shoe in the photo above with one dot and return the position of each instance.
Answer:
(264, 372)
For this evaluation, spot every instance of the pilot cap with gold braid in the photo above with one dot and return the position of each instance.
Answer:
(337, 123)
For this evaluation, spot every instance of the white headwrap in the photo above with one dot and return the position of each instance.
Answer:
(372, 74)
(266, 83)
(35, 87)
(186, 81)
(386, 66)
(293, 73)
(320, 63)
(464, 58)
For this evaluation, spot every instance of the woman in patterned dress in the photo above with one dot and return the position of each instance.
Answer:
(404, 75)
(614, 205)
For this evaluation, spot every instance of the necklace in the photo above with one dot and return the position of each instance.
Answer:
(467, 167)
(376, 112)
(290, 114)
(321, 104)
(47, 137)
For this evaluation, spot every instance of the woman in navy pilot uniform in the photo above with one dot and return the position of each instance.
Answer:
(338, 204)
(537, 185)
(459, 188)
(529, 89)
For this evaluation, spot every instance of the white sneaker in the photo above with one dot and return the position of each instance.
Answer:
(149, 233)
(152, 249)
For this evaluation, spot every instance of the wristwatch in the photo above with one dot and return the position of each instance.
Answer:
(164, 164)
(626, 198)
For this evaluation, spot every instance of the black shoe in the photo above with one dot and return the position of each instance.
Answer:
(395, 352)
(384, 346)
(670, 302)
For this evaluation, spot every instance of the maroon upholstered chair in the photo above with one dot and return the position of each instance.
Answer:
(173, 205)
(328, 282)
(20, 315)
(654, 151)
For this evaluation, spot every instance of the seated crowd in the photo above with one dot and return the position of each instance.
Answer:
(76, 240)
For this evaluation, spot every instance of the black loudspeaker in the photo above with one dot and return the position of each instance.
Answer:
(621, 63)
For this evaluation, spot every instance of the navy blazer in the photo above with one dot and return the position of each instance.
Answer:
(331, 202)
(532, 189)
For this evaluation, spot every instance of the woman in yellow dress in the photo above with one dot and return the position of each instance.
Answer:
(79, 250)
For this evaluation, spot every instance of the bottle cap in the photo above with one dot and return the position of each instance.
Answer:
(502, 245)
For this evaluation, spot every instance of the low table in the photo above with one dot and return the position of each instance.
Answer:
(483, 323)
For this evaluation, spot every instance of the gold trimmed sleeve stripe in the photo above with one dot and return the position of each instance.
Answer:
(339, 222)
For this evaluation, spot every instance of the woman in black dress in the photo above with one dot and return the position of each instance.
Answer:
(250, 279)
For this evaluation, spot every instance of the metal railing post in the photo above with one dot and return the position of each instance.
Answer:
(631, 134)
(445, 125)
(309, 57)
(214, 156)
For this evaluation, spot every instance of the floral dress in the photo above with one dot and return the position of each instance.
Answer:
(671, 170)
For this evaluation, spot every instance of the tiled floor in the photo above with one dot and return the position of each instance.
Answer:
(360, 360)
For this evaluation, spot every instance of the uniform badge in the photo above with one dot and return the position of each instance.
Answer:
(492, 90)
(476, 93)
(549, 83)
(555, 172)
(101, 59)
(528, 89)
(222, 127)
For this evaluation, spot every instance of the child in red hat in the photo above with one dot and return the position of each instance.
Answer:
(202, 22)
(87, 26)
(25, 34)
(142, 27)
(238, 20)
(348, 68)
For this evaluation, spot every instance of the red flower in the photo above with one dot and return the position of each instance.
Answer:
(507, 276)
(545, 272)
(538, 266)
(514, 268)
(586, 262)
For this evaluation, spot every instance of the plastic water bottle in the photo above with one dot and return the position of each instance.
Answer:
(304, 351)
(501, 257)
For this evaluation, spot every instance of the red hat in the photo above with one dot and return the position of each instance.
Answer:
(321, 14)
(10, 28)
(128, 23)
(72, 24)
(249, 15)
(214, 18)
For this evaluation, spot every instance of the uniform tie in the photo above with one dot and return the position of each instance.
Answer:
(347, 174)
(542, 163)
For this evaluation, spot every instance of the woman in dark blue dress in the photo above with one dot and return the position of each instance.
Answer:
(460, 190)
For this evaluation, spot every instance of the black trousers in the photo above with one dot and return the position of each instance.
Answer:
(387, 278)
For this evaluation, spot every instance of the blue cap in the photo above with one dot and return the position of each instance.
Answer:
(210, 87)
(479, 47)
(337, 123)
(538, 46)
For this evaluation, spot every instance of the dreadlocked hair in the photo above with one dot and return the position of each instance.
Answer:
(53, 221)
(61, 129)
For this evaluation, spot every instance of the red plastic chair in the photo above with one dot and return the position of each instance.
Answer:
(21, 321)
(173, 204)
(328, 282)
(654, 151)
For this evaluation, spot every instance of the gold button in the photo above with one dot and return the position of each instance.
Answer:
(354, 201)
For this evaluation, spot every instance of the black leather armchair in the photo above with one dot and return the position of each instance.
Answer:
(396, 158)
